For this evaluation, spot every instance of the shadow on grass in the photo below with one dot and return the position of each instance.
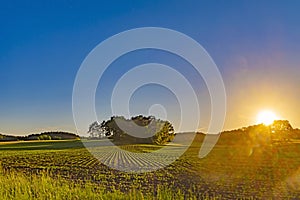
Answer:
(42, 145)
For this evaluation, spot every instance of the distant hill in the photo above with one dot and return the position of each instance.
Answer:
(57, 135)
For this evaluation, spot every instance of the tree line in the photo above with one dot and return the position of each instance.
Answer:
(51, 135)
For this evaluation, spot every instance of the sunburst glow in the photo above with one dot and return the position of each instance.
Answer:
(266, 117)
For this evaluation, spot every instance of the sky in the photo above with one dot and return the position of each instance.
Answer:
(255, 45)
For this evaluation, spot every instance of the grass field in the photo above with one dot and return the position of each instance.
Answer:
(67, 170)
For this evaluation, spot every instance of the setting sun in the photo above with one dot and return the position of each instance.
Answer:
(266, 117)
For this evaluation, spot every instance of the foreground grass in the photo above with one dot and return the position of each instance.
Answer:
(17, 185)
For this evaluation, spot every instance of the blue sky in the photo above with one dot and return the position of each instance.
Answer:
(255, 44)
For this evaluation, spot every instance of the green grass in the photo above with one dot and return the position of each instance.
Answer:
(16, 185)
(63, 168)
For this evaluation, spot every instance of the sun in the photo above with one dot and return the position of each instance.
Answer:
(266, 117)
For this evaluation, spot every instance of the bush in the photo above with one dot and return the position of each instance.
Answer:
(44, 137)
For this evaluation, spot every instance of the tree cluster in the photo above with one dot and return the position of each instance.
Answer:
(120, 129)
(279, 131)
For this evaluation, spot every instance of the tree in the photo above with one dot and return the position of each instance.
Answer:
(166, 134)
(120, 129)
(95, 130)
(281, 125)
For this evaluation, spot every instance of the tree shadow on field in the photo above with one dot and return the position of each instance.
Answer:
(42, 145)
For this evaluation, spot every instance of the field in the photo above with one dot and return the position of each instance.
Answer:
(66, 169)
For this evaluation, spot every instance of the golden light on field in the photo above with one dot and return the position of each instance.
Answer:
(266, 117)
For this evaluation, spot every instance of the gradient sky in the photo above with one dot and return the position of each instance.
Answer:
(255, 44)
